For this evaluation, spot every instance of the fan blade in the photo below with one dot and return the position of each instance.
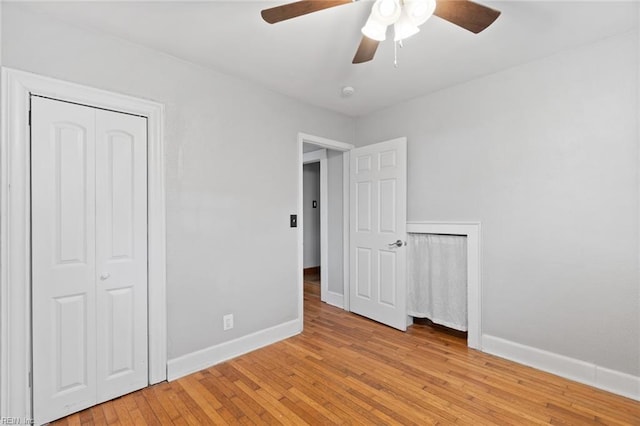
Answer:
(466, 14)
(299, 8)
(366, 50)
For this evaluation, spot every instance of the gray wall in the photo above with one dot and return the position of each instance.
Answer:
(311, 192)
(545, 155)
(231, 173)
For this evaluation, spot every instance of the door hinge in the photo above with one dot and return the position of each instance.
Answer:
(30, 380)
(29, 117)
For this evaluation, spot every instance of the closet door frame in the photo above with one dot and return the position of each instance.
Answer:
(15, 225)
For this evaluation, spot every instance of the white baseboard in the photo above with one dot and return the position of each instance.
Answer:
(334, 299)
(205, 358)
(580, 371)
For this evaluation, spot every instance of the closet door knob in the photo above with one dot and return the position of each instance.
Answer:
(105, 276)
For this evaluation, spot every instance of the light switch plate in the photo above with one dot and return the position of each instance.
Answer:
(227, 322)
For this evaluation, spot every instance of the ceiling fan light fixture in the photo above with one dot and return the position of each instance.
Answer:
(419, 11)
(404, 27)
(374, 30)
(466, 14)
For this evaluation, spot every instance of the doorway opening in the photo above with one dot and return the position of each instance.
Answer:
(330, 241)
(312, 230)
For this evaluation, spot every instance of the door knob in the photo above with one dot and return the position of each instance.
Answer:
(398, 243)
(105, 276)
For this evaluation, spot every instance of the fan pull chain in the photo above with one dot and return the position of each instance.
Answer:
(395, 52)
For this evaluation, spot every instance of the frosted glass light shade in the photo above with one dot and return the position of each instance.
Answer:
(385, 12)
(418, 11)
(374, 30)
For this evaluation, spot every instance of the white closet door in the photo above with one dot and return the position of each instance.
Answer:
(121, 253)
(63, 258)
(89, 256)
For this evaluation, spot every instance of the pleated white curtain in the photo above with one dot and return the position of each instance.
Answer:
(437, 279)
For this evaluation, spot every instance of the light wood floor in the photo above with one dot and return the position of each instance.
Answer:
(346, 369)
(312, 282)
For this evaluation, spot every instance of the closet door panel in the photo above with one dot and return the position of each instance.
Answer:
(63, 258)
(121, 257)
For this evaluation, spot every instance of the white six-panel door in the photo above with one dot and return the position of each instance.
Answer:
(378, 217)
(89, 256)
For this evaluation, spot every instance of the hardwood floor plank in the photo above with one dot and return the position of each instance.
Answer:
(136, 416)
(315, 401)
(151, 416)
(218, 387)
(205, 399)
(305, 412)
(170, 395)
(73, 420)
(110, 415)
(279, 415)
(161, 394)
(339, 395)
(249, 411)
(97, 415)
(164, 412)
(196, 410)
(86, 417)
(122, 411)
(346, 369)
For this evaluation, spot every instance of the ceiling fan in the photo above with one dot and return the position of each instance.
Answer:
(405, 15)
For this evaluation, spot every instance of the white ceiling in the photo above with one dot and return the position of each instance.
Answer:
(309, 57)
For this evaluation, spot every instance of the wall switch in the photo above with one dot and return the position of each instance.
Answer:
(227, 322)
(293, 220)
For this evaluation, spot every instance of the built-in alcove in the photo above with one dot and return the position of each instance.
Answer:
(437, 279)
(469, 233)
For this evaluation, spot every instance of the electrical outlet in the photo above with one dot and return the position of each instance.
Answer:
(227, 322)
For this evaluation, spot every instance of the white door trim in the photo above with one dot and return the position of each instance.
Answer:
(638, 181)
(346, 223)
(314, 156)
(15, 238)
(474, 279)
(327, 144)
